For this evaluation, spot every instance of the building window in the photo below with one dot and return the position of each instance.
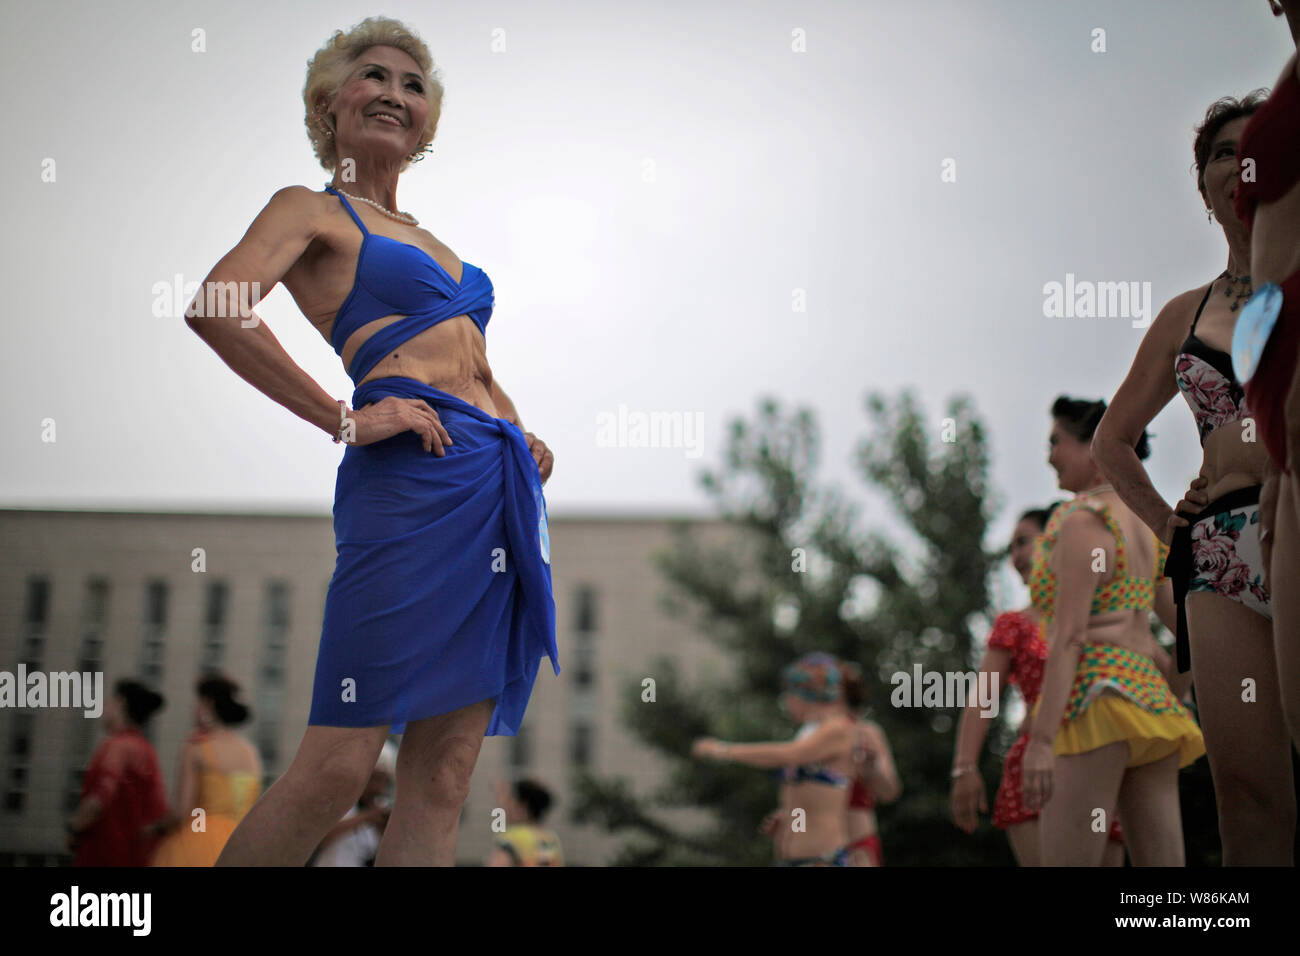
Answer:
(580, 744)
(520, 749)
(90, 659)
(20, 757)
(16, 791)
(94, 614)
(72, 796)
(584, 604)
(268, 743)
(35, 619)
(20, 741)
(271, 672)
(584, 663)
(36, 615)
(212, 644)
(153, 645)
(38, 602)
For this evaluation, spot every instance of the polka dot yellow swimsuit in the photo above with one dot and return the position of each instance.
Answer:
(1122, 592)
(1117, 694)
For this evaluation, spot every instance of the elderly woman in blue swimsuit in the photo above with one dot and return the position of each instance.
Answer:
(440, 609)
(817, 767)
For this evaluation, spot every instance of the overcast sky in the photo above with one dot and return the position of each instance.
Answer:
(680, 209)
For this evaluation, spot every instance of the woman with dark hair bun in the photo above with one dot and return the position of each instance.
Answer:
(219, 778)
(122, 792)
(1108, 734)
(1216, 561)
(1015, 654)
(876, 778)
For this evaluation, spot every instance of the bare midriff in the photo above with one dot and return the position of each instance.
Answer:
(451, 356)
(827, 826)
(1233, 458)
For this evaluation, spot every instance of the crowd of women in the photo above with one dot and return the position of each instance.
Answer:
(1095, 767)
(124, 817)
(1107, 728)
(1094, 770)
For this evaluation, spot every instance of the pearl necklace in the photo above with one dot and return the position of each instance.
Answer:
(405, 217)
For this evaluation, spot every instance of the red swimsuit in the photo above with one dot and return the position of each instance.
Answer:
(1022, 638)
(861, 798)
(1272, 141)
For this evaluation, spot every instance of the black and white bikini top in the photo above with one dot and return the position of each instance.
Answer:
(1206, 379)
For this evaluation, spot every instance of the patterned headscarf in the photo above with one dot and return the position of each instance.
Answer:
(814, 677)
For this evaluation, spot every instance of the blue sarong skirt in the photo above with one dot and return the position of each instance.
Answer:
(441, 594)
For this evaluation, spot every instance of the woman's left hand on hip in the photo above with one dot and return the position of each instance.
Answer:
(541, 454)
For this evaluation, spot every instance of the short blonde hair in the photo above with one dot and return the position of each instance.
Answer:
(327, 70)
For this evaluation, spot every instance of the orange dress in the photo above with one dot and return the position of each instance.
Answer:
(224, 798)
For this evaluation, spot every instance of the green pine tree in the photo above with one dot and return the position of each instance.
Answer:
(785, 585)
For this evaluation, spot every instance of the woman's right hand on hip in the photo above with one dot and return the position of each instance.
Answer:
(1195, 500)
(392, 415)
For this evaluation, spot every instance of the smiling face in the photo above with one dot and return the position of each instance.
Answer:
(1222, 174)
(1071, 459)
(1021, 551)
(381, 108)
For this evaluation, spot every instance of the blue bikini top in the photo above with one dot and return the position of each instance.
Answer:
(397, 278)
(812, 772)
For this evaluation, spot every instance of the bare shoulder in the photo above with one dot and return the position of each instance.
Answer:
(1175, 317)
(247, 746)
(298, 203)
(1085, 522)
(872, 730)
(300, 196)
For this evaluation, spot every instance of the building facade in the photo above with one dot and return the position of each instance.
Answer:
(163, 597)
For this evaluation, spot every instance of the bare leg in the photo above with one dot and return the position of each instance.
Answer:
(434, 764)
(1246, 740)
(1083, 784)
(1114, 855)
(1024, 842)
(327, 775)
(1286, 600)
(1153, 823)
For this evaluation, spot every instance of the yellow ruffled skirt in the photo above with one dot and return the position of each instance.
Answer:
(1119, 695)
